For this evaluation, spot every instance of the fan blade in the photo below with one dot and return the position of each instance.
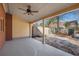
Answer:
(35, 11)
(22, 9)
(24, 13)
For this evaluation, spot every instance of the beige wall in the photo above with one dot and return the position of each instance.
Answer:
(20, 27)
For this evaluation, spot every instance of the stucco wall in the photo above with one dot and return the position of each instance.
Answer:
(20, 28)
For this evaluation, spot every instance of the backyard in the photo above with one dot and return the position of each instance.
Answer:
(61, 32)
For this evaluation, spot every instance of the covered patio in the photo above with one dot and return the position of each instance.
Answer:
(26, 30)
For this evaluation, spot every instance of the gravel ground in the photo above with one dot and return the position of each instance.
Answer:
(62, 45)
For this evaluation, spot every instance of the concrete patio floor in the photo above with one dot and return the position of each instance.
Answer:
(29, 47)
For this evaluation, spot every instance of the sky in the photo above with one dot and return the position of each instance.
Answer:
(70, 16)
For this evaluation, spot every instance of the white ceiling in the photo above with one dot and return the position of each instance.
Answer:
(43, 8)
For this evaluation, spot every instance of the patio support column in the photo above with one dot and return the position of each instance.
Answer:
(43, 41)
(30, 30)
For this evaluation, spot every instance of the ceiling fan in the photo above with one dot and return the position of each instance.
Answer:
(28, 11)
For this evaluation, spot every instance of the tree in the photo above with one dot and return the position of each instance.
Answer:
(52, 20)
(66, 24)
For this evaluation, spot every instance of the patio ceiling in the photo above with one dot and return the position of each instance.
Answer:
(43, 8)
